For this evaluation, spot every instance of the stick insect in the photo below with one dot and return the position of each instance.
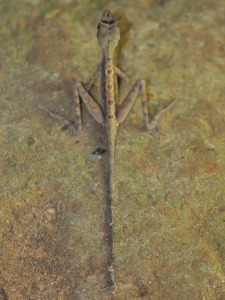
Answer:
(108, 36)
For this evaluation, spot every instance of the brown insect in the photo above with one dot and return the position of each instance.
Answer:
(108, 35)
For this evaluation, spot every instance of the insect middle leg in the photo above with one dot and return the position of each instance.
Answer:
(128, 102)
(80, 92)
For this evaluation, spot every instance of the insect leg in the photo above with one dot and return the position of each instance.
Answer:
(93, 77)
(80, 92)
(128, 102)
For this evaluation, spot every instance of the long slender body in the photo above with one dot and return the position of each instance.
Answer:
(108, 36)
(111, 123)
(110, 118)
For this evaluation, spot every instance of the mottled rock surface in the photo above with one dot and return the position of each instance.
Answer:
(169, 203)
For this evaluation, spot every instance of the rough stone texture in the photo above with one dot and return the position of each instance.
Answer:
(169, 204)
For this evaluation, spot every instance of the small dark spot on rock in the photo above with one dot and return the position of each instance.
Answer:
(30, 141)
(98, 153)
